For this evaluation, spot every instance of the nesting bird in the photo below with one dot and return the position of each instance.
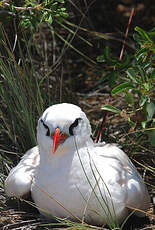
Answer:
(70, 176)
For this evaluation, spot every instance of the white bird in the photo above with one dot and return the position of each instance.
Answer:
(69, 176)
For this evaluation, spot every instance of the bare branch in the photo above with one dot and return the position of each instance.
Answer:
(19, 8)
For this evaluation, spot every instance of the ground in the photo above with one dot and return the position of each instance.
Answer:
(79, 85)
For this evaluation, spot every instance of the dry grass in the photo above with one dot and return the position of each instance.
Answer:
(54, 86)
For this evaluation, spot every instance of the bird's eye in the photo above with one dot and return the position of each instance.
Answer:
(75, 123)
(46, 127)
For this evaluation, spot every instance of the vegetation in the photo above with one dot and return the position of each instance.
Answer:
(33, 13)
(48, 58)
(137, 76)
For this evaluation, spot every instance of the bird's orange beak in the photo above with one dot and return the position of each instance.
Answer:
(58, 139)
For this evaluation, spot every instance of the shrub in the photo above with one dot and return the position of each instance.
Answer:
(137, 75)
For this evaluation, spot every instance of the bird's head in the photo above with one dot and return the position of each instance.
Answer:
(59, 125)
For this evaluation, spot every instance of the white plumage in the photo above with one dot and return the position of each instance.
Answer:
(70, 176)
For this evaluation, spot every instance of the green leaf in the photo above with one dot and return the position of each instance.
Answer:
(122, 88)
(151, 135)
(111, 108)
(63, 9)
(142, 72)
(12, 8)
(153, 74)
(64, 14)
(129, 98)
(100, 58)
(132, 74)
(150, 108)
(143, 34)
(54, 6)
(125, 62)
(146, 64)
(143, 124)
(50, 19)
(152, 34)
(112, 78)
(61, 1)
(26, 22)
(142, 101)
(136, 37)
(107, 56)
(141, 53)
(146, 86)
(131, 123)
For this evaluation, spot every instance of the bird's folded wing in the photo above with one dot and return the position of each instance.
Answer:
(19, 180)
(137, 194)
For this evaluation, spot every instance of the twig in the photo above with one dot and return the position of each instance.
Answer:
(22, 223)
(99, 133)
(126, 33)
(19, 8)
(148, 227)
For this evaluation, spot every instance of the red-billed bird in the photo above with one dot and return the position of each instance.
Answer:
(70, 176)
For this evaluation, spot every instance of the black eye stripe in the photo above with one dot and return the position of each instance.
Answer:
(46, 127)
(75, 123)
